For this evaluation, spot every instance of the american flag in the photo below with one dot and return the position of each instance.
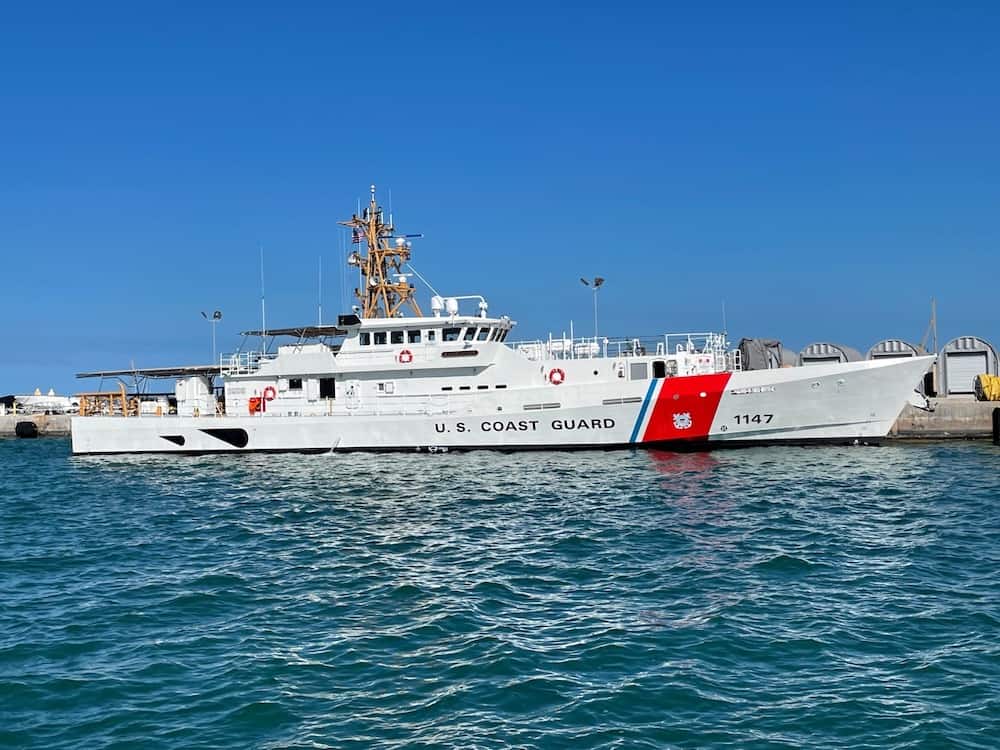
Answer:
(357, 236)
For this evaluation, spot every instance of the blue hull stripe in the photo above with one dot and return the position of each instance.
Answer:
(642, 411)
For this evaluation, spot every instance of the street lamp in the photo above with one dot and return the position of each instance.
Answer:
(216, 317)
(595, 285)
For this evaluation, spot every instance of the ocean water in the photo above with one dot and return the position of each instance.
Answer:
(764, 598)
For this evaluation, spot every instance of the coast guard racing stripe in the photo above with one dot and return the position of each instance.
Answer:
(683, 409)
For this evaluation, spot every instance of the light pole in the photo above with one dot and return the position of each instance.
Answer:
(595, 285)
(216, 317)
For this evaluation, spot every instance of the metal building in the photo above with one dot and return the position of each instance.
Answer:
(961, 360)
(893, 348)
(824, 353)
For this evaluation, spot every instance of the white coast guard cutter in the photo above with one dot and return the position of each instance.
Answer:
(381, 380)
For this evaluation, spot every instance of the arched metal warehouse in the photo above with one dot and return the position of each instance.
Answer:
(823, 353)
(893, 348)
(961, 360)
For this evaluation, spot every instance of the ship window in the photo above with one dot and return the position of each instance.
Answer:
(446, 388)
(366, 338)
(483, 334)
(451, 334)
(470, 333)
(482, 387)
(396, 337)
(295, 384)
(379, 337)
(465, 387)
(503, 335)
(413, 337)
(432, 335)
(638, 371)
(500, 387)
(327, 388)
(659, 369)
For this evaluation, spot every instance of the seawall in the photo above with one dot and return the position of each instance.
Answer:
(952, 418)
(49, 425)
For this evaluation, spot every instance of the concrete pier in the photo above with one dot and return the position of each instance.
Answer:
(49, 425)
(953, 418)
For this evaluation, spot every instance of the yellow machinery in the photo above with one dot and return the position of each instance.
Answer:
(988, 388)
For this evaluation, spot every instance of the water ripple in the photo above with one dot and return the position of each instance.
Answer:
(754, 598)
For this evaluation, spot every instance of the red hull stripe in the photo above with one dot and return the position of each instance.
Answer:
(685, 407)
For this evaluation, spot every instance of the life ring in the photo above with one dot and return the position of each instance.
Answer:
(269, 393)
(556, 376)
(405, 357)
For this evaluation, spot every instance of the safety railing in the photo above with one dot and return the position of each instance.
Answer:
(591, 347)
(243, 363)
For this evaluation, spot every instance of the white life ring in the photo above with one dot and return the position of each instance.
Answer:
(405, 357)
(556, 376)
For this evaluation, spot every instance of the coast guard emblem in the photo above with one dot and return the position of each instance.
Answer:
(682, 421)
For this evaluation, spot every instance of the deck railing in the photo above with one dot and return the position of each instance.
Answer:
(591, 347)
(243, 363)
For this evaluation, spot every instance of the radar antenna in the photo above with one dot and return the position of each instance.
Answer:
(386, 288)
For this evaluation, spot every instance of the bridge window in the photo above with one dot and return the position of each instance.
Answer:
(295, 384)
(396, 337)
(470, 333)
(365, 338)
(451, 334)
(431, 335)
(379, 337)
(483, 335)
(413, 337)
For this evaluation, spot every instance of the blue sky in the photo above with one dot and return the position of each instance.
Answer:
(821, 171)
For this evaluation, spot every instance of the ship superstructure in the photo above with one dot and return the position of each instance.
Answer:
(379, 380)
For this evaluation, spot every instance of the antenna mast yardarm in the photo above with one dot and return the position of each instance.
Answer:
(382, 297)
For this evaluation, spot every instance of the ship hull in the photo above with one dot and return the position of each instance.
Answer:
(837, 403)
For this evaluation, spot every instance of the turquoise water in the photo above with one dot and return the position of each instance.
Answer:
(769, 598)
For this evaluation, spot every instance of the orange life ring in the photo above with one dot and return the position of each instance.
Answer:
(405, 357)
(269, 393)
(556, 376)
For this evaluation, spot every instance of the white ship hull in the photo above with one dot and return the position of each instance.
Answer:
(836, 403)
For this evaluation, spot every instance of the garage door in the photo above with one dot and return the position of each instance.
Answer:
(962, 371)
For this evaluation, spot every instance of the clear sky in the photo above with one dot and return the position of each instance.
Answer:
(823, 172)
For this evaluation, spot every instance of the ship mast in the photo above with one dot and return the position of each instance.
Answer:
(386, 289)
